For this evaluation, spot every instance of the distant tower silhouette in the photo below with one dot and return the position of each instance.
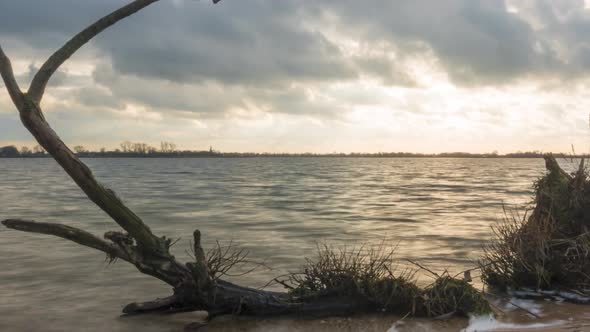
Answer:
(210, 149)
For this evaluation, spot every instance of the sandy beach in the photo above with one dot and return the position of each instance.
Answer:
(551, 317)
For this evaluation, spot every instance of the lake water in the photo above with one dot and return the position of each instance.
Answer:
(437, 211)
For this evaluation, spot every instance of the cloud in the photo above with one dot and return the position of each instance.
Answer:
(251, 42)
(476, 42)
(383, 67)
(262, 42)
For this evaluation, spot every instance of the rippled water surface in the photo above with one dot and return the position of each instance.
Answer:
(438, 211)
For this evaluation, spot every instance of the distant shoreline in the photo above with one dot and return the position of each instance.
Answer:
(287, 155)
(169, 150)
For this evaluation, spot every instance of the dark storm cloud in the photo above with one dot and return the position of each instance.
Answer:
(566, 24)
(117, 89)
(241, 41)
(475, 41)
(47, 24)
(195, 56)
(246, 42)
(208, 99)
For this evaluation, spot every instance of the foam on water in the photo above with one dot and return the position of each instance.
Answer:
(523, 304)
(393, 328)
(489, 323)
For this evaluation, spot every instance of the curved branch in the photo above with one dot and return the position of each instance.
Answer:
(8, 76)
(37, 88)
(69, 233)
(33, 119)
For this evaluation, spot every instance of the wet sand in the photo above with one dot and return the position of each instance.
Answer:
(551, 317)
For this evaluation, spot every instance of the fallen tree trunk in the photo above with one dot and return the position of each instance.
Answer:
(190, 291)
(195, 286)
(358, 283)
(192, 284)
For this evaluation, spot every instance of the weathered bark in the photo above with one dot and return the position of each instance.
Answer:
(69, 233)
(9, 80)
(193, 286)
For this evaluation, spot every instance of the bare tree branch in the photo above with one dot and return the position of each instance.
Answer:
(8, 76)
(33, 119)
(37, 88)
(69, 233)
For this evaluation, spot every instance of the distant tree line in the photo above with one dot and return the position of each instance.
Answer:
(169, 150)
(126, 149)
(25, 151)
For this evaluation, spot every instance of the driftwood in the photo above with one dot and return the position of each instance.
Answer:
(193, 287)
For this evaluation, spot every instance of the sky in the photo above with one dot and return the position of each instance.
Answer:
(311, 76)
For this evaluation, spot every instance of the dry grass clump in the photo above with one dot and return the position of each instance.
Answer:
(395, 294)
(450, 295)
(550, 248)
(368, 274)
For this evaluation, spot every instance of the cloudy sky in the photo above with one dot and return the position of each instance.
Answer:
(318, 76)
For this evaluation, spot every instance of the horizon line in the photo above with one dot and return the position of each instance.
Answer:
(146, 152)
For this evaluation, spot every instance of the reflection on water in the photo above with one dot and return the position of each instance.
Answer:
(435, 210)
